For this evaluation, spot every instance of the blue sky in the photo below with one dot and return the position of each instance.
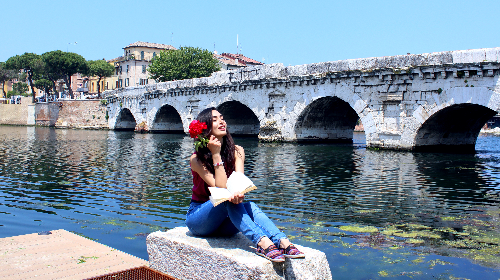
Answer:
(290, 32)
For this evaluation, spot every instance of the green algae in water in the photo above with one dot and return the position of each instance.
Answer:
(418, 260)
(488, 238)
(435, 262)
(368, 211)
(359, 228)
(450, 218)
(390, 230)
(414, 234)
(474, 237)
(417, 226)
(414, 241)
(383, 273)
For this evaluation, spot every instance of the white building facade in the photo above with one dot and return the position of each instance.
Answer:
(132, 67)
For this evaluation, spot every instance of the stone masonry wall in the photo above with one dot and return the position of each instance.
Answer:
(72, 114)
(278, 71)
(16, 114)
(46, 114)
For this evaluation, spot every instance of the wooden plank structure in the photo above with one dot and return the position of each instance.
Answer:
(60, 255)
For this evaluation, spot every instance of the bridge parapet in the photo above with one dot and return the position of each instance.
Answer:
(364, 65)
(384, 75)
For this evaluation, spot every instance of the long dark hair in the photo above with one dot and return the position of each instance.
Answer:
(227, 149)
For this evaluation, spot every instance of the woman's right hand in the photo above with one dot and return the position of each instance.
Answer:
(214, 145)
(237, 198)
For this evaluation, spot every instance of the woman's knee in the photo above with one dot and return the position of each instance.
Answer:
(252, 207)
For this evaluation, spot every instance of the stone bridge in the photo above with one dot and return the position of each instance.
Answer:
(410, 102)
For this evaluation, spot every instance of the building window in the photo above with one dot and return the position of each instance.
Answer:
(143, 68)
(154, 54)
(127, 68)
(107, 83)
(121, 83)
(120, 69)
(142, 55)
(127, 82)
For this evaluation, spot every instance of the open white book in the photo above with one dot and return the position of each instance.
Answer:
(237, 182)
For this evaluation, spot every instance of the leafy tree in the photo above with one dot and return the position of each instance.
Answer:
(30, 63)
(20, 88)
(5, 76)
(184, 63)
(48, 74)
(44, 84)
(64, 65)
(101, 69)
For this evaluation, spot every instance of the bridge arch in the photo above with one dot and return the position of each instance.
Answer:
(125, 120)
(455, 125)
(240, 119)
(167, 120)
(327, 119)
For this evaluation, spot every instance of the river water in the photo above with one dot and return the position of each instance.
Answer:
(375, 214)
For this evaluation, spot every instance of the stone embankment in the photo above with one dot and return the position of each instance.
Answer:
(83, 114)
(18, 114)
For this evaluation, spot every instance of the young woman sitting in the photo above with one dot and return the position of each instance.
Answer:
(211, 166)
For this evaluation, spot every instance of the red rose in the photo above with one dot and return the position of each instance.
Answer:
(196, 128)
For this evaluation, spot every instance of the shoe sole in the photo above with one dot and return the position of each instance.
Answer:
(294, 256)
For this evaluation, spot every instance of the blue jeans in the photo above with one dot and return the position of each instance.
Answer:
(203, 219)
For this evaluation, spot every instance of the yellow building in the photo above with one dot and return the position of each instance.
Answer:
(111, 83)
(92, 85)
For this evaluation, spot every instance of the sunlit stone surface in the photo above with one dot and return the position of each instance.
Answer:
(178, 253)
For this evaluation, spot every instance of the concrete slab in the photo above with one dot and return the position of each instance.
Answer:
(60, 255)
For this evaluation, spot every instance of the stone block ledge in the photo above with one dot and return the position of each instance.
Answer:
(180, 254)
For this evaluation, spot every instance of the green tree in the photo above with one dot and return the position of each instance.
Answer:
(48, 74)
(20, 88)
(5, 76)
(101, 69)
(44, 84)
(184, 63)
(30, 63)
(64, 65)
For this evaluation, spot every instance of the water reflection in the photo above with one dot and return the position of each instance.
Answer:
(118, 186)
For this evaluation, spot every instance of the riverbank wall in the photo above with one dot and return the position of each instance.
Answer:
(83, 114)
(90, 114)
(18, 114)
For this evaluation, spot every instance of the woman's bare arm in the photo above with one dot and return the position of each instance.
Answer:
(239, 155)
(199, 168)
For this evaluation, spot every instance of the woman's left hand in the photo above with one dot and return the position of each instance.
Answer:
(237, 198)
